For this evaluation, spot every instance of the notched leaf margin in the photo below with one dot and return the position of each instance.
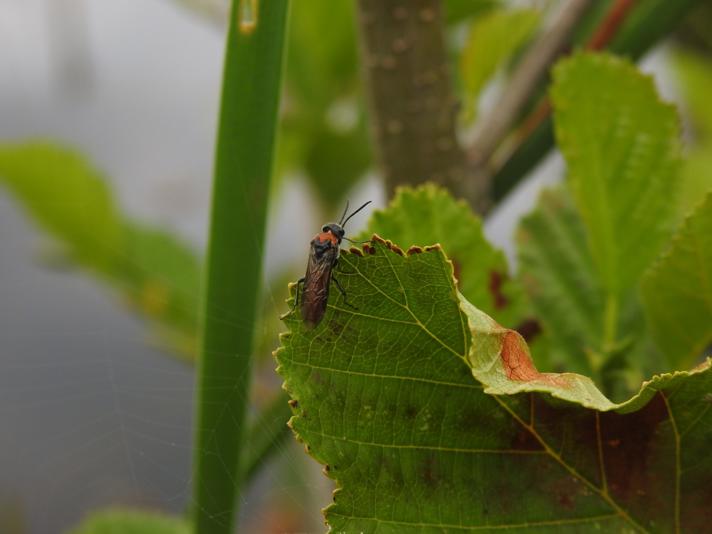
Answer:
(514, 374)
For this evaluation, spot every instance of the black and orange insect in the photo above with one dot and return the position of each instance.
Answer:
(323, 257)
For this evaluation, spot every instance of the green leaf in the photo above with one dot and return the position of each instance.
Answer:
(677, 291)
(493, 38)
(67, 197)
(128, 521)
(459, 10)
(161, 276)
(429, 214)
(557, 273)
(647, 24)
(695, 76)
(432, 418)
(325, 118)
(71, 201)
(335, 160)
(621, 147)
(243, 170)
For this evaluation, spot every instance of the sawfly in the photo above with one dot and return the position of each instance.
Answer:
(323, 257)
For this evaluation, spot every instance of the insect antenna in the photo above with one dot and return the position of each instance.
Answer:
(354, 213)
(357, 242)
(344, 214)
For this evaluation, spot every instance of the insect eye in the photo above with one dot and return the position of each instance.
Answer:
(324, 228)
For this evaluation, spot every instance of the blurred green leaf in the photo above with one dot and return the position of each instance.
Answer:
(72, 202)
(695, 73)
(695, 76)
(677, 291)
(335, 160)
(324, 125)
(459, 10)
(557, 273)
(621, 147)
(322, 57)
(163, 279)
(493, 39)
(429, 214)
(695, 178)
(67, 197)
(128, 521)
(431, 417)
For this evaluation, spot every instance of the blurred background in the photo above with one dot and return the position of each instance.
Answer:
(108, 110)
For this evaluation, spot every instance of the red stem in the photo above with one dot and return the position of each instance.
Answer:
(602, 36)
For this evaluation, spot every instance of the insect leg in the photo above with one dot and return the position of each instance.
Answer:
(300, 282)
(343, 293)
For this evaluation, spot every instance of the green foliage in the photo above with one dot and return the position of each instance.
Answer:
(621, 147)
(695, 74)
(647, 24)
(431, 416)
(430, 215)
(243, 168)
(324, 128)
(678, 291)
(459, 10)
(493, 38)
(582, 261)
(127, 521)
(558, 274)
(69, 199)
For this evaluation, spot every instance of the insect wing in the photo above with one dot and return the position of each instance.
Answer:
(315, 294)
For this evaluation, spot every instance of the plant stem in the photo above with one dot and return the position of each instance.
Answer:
(413, 108)
(524, 80)
(641, 28)
(243, 166)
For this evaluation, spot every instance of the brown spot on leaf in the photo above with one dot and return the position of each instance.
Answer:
(336, 327)
(414, 250)
(517, 362)
(317, 378)
(565, 500)
(294, 403)
(429, 474)
(496, 280)
(356, 251)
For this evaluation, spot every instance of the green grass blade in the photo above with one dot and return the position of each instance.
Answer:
(245, 146)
